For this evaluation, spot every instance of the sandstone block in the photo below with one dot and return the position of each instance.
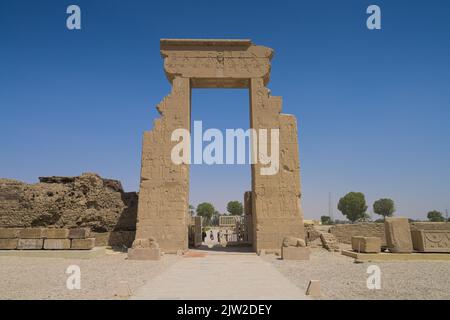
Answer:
(55, 233)
(30, 244)
(329, 242)
(398, 235)
(57, 244)
(83, 244)
(293, 242)
(8, 244)
(145, 243)
(9, 233)
(431, 240)
(144, 254)
(79, 233)
(366, 244)
(313, 289)
(295, 253)
(31, 233)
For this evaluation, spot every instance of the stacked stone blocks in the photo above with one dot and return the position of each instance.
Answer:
(46, 239)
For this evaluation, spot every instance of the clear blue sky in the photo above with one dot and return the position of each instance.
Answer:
(373, 107)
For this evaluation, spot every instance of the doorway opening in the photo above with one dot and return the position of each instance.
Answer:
(219, 180)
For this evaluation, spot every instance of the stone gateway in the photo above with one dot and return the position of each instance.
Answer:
(164, 186)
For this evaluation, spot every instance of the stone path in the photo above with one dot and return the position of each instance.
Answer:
(202, 274)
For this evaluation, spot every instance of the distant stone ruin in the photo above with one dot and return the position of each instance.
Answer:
(70, 202)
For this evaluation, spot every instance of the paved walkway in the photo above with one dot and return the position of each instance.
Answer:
(202, 274)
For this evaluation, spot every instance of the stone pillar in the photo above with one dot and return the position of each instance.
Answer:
(276, 205)
(164, 186)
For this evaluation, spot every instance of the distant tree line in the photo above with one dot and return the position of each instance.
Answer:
(353, 206)
(211, 216)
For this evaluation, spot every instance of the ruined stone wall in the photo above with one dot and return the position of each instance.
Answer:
(164, 187)
(312, 233)
(344, 232)
(84, 201)
(430, 225)
(276, 198)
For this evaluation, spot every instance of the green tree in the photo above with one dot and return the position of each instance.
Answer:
(435, 216)
(353, 206)
(235, 208)
(206, 211)
(326, 220)
(384, 207)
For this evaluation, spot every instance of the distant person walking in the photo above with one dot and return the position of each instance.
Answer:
(211, 235)
(204, 235)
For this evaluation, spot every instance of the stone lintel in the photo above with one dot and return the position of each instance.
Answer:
(177, 43)
(216, 63)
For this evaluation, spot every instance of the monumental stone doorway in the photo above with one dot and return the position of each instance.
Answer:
(274, 200)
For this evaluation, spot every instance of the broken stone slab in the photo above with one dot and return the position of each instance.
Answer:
(31, 233)
(82, 244)
(295, 253)
(30, 244)
(56, 244)
(293, 242)
(329, 241)
(8, 244)
(55, 233)
(9, 233)
(398, 235)
(431, 240)
(144, 254)
(79, 233)
(313, 289)
(366, 244)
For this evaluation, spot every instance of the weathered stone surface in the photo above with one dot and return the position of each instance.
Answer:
(345, 232)
(398, 235)
(428, 225)
(143, 244)
(122, 239)
(8, 244)
(31, 233)
(82, 244)
(9, 233)
(164, 186)
(293, 242)
(84, 201)
(366, 244)
(79, 233)
(57, 244)
(329, 242)
(431, 240)
(311, 233)
(54, 233)
(144, 254)
(295, 253)
(30, 244)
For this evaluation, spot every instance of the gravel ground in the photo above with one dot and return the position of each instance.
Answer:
(45, 278)
(341, 278)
